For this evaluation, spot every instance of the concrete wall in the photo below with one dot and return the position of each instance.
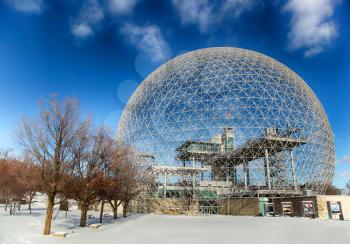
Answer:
(296, 204)
(322, 205)
(165, 206)
(240, 206)
(250, 206)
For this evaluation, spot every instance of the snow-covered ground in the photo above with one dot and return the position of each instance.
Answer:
(153, 229)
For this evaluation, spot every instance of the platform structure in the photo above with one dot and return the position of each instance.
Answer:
(180, 171)
(222, 160)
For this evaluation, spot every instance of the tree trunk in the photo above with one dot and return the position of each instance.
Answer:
(115, 211)
(125, 209)
(6, 204)
(96, 206)
(49, 212)
(11, 208)
(30, 205)
(114, 206)
(83, 214)
(66, 213)
(101, 210)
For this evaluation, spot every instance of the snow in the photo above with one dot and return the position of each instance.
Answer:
(95, 226)
(153, 229)
(60, 234)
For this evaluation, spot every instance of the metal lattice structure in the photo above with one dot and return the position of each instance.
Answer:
(221, 123)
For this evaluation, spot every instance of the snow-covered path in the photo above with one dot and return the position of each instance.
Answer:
(151, 229)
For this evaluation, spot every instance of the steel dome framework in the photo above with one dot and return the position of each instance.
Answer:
(220, 123)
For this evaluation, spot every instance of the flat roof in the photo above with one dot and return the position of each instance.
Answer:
(251, 150)
(178, 170)
(189, 142)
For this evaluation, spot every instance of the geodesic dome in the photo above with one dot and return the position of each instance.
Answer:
(227, 122)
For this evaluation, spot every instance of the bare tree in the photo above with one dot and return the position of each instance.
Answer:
(27, 174)
(105, 189)
(331, 190)
(5, 153)
(11, 189)
(348, 187)
(5, 182)
(92, 152)
(48, 138)
(129, 177)
(114, 180)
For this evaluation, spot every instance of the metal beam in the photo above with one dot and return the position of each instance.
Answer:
(293, 169)
(165, 183)
(246, 175)
(267, 164)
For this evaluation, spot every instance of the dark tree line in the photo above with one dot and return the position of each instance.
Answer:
(18, 182)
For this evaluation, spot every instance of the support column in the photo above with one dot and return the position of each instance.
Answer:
(228, 174)
(202, 175)
(268, 177)
(246, 175)
(165, 183)
(293, 169)
(193, 177)
(234, 175)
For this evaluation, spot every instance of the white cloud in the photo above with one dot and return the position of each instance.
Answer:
(89, 17)
(205, 14)
(121, 6)
(238, 6)
(345, 159)
(198, 12)
(344, 174)
(82, 30)
(28, 6)
(312, 26)
(147, 39)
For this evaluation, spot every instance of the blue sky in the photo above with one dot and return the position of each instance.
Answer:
(99, 51)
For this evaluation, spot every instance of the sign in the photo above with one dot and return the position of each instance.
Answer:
(335, 210)
(308, 208)
(287, 208)
(335, 207)
(270, 209)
